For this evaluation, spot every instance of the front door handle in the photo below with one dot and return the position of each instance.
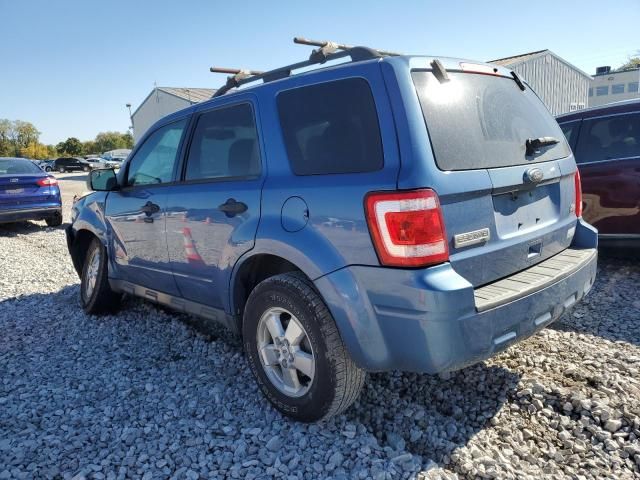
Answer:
(150, 208)
(232, 208)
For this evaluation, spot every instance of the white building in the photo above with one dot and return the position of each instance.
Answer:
(563, 87)
(161, 102)
(608, 86)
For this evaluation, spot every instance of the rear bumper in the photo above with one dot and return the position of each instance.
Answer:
(431, 320)
(33, 213)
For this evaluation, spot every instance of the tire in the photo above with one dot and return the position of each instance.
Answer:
(85, 169)
(47, 169)
(98, 298)
(61, 169)
(335, 380)
(54, 221)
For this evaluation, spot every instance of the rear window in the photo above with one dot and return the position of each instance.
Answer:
(17, 167)
(483, 121)
(331, 128)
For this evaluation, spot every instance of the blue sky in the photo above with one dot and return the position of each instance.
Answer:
(70, 66)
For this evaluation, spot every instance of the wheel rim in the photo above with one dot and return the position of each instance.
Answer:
(91, 277)
(285, 352)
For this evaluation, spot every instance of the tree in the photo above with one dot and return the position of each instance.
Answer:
(16, 135)
(89, 147)
(35, 150)
(632, 62)
(106, 141)
(5, 135)
(71, 146)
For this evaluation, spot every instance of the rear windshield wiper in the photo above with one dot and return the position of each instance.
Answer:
(533, 144)
(519, 82)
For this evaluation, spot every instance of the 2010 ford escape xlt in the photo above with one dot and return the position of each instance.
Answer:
(387, 212)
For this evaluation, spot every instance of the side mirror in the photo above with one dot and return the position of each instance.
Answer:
(102, 180)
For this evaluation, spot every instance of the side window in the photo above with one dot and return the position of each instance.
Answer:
(331, 128)
(609, 137)
(225, 144)
(570, 130)
(153, 163)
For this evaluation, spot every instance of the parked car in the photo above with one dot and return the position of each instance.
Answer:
(606, 142)
(46, 165)
(70, 164)
(28, 193)
(386, 213)
(97, 162)
(114, 162)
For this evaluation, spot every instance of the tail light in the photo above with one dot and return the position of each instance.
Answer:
(578, 199)
(47, 182)
(407, 228)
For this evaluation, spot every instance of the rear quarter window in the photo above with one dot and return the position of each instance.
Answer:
(331, 128)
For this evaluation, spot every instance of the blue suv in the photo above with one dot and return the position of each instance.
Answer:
(383, 213)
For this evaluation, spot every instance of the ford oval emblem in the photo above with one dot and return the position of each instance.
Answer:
(534, 175)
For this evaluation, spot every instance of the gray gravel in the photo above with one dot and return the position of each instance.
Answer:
(145, 394)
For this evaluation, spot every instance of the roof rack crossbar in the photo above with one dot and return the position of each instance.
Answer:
(327, 47)
(326, 51)
(237, 75)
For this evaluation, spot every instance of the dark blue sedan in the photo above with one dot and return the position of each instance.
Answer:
(28, 193)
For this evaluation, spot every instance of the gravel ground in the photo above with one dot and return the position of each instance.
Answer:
(144, 394)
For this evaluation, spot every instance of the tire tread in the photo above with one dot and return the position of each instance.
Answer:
(349, 377)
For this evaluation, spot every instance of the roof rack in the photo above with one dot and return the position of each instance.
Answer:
(327, 51)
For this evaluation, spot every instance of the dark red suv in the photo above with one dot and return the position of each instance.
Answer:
(606, 144)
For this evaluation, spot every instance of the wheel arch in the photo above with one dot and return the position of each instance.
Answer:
(250, 272)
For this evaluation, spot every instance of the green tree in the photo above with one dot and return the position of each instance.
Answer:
(89, 147)
(631, 63)
(52, 151)
(106, 141)
(16, 135)
(71, 146)
(35, 150)
(5, 138)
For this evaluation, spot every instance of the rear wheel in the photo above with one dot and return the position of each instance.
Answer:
(86, 169)
(61, 169)
(47, 169)
(54, 221)
(96, 295)
(295, 351)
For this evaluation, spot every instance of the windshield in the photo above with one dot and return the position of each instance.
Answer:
(483, 121)
(17, 166)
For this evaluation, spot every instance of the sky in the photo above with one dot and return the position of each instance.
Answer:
(70, 66)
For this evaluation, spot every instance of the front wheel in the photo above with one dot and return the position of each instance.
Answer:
(295, 351)
(47, 169)
(61, 169)
(96, 295)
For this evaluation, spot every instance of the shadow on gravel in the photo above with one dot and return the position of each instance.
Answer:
(123, 373)
(432, 415)
(25, 228)
(611, 310)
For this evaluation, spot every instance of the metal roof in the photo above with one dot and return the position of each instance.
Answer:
(517, 58)
(524, 57)
(193, 95)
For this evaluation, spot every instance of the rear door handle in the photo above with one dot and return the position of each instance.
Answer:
(232, 208)
(150, 208)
